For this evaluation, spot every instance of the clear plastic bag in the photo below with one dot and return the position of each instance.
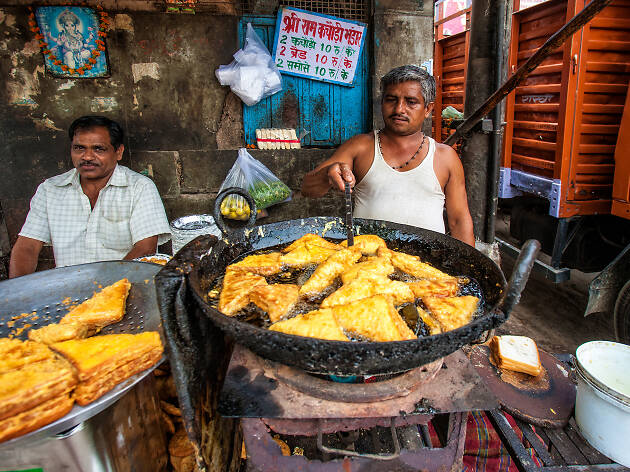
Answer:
(252, 75)
(265, 188)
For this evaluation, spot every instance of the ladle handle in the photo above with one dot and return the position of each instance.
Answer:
(218, 216)
(520, 274)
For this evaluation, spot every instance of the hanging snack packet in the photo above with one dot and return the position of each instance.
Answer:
(264, 187)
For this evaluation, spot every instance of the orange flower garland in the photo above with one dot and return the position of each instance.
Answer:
(104, 22)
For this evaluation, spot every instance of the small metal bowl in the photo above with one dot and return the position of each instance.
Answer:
(160, 259)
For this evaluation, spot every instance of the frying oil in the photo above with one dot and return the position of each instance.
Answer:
(254, 315)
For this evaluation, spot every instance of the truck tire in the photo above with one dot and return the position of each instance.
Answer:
(621, 316)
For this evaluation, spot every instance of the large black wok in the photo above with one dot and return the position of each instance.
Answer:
(360, 358)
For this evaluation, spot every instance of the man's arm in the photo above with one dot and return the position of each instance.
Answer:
(144, 247)
(24, 256)
(459, 220)
(334, 171)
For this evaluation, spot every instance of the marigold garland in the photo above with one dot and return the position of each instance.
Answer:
(103, 25)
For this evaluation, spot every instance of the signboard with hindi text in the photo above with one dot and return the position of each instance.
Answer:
(318, 47)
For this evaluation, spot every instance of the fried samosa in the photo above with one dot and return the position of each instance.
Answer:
(319, 324)
(451, 312)
(368, 286)
(104, 308)
(375, 318)
(329, 270)
(235, 292)
(276, 299)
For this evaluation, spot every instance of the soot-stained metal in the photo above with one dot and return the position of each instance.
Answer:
(359, 358)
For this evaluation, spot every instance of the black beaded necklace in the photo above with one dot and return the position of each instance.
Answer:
(378, 139)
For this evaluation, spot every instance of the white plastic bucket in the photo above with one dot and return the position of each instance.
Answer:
(602, 406)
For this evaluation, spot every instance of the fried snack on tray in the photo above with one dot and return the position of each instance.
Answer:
(261, 264)
(25, 388)
(329, 270)
(55, 333)
(15, 354)
(312, 239)
(369, 268)
(368, 286)
(104, 308)
(34, 387)
(102, 362)
(451, 312)
(36, 417)
(375, 318)
(368, 244)
(276, 299)
(236, 287)
(315, 324)
(413, 266)
(434, 288)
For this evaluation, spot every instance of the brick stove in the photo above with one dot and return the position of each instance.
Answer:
(382, 425)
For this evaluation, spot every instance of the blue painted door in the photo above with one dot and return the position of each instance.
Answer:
(329, 113)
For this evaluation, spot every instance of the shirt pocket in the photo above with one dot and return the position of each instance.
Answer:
(115, 234)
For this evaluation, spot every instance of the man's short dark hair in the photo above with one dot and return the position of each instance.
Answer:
(411, 73)
(116, 133)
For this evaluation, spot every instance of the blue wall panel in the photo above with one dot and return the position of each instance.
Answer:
(330, 113)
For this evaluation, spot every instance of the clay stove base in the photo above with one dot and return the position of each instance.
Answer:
(253, 388)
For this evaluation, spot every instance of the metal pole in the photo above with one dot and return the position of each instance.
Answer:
(480, 83)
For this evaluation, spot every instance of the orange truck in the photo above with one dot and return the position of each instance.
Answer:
(565, 171)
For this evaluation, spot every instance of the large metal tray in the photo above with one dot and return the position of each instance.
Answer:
(48, 295)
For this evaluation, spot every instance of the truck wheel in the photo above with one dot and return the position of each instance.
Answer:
(621, 317)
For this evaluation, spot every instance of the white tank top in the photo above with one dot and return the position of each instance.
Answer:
(414, 197)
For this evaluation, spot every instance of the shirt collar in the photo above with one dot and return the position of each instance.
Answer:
(118, 178)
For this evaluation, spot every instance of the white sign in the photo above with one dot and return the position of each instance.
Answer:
(317, 46)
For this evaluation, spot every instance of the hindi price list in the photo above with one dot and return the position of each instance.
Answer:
(317, 46)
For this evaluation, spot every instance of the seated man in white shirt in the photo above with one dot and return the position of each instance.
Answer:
(97, 211)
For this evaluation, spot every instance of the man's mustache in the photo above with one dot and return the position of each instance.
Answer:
(402, 117)
(90, 163)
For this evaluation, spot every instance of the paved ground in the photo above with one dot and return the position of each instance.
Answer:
(553, 314)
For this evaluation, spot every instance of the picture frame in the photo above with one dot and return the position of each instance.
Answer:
(73, 41)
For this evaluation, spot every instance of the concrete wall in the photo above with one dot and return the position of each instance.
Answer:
(403, 34)
(180, 123)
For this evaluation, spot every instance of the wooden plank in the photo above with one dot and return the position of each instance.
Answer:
(532, 161)
(538, 89)
(598, 108)
(600, 66)
(592, 455)
(599, 129)
(609, 89)
(453, 68)
(596, 169)
(541, 12)
(544, 33)
(547, 69)
(538, 107)
(532, 143)
(527, 53)
(536, 125)
(451, 17)
(455, 81)
(536, 442)
(607, 45)
(596, 149)
(610, 23)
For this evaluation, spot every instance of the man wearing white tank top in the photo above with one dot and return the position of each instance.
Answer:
(398, 174)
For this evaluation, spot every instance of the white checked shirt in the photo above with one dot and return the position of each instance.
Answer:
(128, 209)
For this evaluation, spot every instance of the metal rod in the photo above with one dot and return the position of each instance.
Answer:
(550, 46)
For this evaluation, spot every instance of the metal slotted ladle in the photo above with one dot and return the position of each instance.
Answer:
(348, 207)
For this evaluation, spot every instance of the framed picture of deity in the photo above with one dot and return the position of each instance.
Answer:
(72, 40)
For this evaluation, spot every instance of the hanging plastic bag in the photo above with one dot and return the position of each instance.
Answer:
(265, 188)
(252, 75)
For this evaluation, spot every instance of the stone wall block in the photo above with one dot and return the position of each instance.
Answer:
(164, 165)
